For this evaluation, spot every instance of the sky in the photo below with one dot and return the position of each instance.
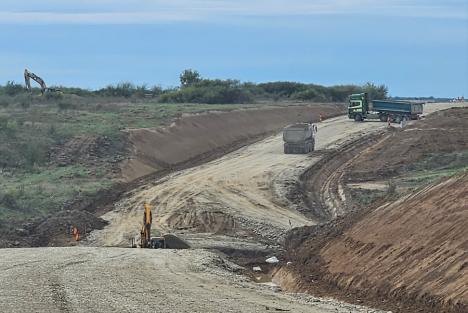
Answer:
(415, 47)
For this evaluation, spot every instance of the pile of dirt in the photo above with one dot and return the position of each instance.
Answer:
(54, 230)
(193, 137)
(414, 251)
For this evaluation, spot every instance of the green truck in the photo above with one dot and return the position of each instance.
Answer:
(360, 108)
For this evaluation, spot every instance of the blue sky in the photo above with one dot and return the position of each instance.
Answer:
(415, 47)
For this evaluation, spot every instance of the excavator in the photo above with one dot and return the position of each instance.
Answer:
(27, 80)
(146, 241)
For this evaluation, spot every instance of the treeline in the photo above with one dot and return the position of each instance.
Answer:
(195, 89)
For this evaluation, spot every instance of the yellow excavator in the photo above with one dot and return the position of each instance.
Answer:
(146, 241)
(27, 80)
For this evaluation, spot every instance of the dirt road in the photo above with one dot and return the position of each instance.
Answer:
(241, 194)
(135, 280)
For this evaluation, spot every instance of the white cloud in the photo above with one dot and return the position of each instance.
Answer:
(157, 11)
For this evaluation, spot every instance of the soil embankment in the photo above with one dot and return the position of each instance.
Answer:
(403, 253)
(193, 137)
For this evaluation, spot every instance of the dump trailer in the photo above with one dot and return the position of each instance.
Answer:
(360, 108)
(299, 138)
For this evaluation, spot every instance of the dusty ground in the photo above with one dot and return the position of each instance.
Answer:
(241, 194)
(135, 280)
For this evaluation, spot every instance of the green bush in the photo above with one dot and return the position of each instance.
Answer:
(34, 153)
(210, 92)
(11, 88)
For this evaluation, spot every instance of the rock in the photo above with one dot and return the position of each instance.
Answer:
(272, 260)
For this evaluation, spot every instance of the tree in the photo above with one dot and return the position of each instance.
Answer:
(376, 92)
(189, 77)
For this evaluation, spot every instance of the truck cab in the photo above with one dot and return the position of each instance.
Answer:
(358, 106)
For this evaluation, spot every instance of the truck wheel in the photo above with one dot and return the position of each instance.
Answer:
(358, 117)
(383, 117)
(397, 119)
(406, 118)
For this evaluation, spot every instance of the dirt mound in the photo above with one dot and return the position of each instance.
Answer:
(174, 242)
(193, 137)
(56, 230)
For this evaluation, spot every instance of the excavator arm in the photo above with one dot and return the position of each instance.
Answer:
(27, 80)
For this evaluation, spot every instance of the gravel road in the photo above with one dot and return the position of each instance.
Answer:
(82, 279)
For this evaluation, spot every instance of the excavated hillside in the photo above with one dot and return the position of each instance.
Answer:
(412, 252)
(407, 253)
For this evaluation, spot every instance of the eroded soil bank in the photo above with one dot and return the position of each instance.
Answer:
(407, 250)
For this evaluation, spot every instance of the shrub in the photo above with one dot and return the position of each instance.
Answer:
(11, 88)
(189, 77)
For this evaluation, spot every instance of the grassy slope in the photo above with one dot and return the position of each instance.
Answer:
(30, 185)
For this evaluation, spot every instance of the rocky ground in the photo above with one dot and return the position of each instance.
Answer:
(129, 280)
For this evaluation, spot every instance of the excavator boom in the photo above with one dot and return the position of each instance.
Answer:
(27, 80)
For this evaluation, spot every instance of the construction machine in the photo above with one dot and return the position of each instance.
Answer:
(146, 241)
(299, 138)
(27, 80)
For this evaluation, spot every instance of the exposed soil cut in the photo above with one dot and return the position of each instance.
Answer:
(409, 255)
